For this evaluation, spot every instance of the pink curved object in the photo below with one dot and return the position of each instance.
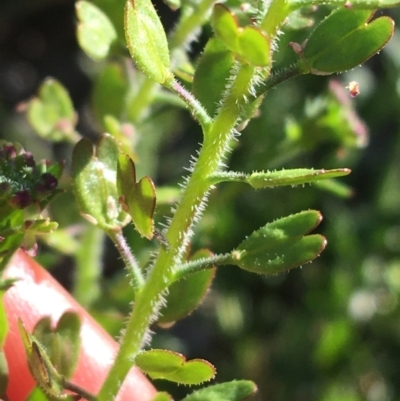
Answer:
(38, 294)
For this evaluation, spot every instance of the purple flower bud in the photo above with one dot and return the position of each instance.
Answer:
(21, 199)
(29, 159)
(47, 182)
(10, 151)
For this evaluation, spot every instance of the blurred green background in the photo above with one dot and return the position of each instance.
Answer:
(329, 331)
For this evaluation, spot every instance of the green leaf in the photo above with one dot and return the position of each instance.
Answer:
(345, 40)
(94, 173)
(37, 395)
(172, 366)
(141, 202)
(162, 396)
(146, 40)
(250, 43)
(292, 177)
(281, 245)
(40, 366)
(62, 343)
(354, 4)
(212, 72)
(236, 390)
(96, 32)
(51, 114)
(185, 295)
(336, 188)
(225, 26)
(138, 199)
(254, 46)
(271, 179)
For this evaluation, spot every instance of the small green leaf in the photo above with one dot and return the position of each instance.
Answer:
(52, 114)
(254, 46)
(40, 366)
(62, 343)
(162, 396)
(355, 4)
(281, 245)
(37, 395)
(271, 179)
(185, 295)
(141, 202)
(292, 177)
(96, 32)
(250, 43)
(126, 174)
(225, 26)
(138, 199)
(236, 390)
(94, 175)
(336, 188)
(212, 72)
(172, 366)
(345, 40)
(146, 40)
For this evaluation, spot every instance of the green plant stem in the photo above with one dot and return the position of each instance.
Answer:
(228, 176)
(275, 16)
(214, 150)
(79, 391)
(278, 77)
(88, 266)
(147, 301)
(143, 99)
(195, 107)
(194, 266)
(188, 24)
(129, 260)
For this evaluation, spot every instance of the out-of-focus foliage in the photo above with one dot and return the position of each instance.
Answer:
(327, 332)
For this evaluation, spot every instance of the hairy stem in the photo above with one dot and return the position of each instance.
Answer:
(195, 107)
(129, 259)
(147, 302)
(88, 266)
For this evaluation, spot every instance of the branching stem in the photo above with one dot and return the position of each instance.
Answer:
(194, 105)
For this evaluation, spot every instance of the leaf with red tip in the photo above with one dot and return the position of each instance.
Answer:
(138, 199)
